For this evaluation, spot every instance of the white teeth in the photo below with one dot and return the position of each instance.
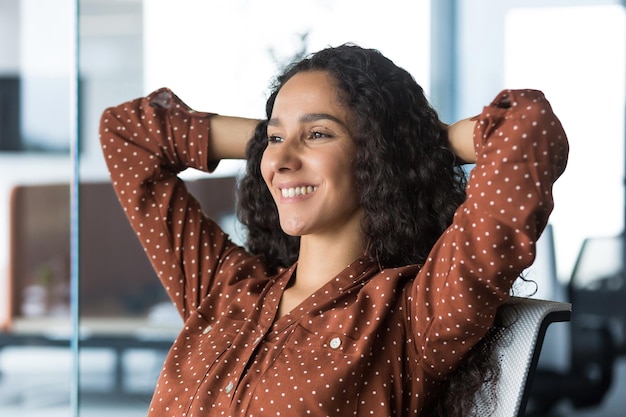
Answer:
(297, 191)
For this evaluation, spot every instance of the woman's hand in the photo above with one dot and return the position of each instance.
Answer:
(461, 139)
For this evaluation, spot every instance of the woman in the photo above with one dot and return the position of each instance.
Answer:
(368, 276)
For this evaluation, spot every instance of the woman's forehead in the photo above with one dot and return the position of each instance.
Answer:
(309, 93)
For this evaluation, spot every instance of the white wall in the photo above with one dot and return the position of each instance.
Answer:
(217, 54)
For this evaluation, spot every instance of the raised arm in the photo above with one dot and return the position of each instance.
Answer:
(229, 135)
(146, 143)
(521, 149)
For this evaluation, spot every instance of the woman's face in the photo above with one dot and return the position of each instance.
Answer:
(308, 162)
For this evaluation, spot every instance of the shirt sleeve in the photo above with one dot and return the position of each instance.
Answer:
(146, 143)
(521, 150)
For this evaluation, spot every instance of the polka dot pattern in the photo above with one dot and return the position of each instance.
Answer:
(369, 342)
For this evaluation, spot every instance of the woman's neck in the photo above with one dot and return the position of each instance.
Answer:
(321, 259)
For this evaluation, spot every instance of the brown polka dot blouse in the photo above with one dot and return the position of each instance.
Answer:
(368, 343)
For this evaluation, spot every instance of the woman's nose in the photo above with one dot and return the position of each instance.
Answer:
(283, 156)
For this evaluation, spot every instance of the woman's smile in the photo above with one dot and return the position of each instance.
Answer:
(297, 191)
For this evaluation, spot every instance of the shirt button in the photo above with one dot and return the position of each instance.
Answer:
(257, 340)
(207, 329)
(229, 387)
(335, 342)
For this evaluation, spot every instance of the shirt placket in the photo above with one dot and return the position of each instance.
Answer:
(267, 352)
(258, 349)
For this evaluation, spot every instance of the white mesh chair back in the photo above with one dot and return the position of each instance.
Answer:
(518, 346)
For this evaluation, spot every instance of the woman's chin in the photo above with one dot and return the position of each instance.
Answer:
(293, 228)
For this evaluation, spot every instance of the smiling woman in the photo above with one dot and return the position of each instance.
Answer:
(369, 275)
(310, 147)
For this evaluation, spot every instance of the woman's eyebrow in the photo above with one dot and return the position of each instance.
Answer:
(313, 117)
(310, 117)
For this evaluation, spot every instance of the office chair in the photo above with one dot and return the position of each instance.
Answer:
(518, 345)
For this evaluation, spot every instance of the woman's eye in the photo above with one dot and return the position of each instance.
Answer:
(317, 135)
(274, 139)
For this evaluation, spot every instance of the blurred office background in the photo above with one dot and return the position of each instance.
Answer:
(84, 325)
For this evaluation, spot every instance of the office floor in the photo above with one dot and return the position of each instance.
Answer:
(36, 382)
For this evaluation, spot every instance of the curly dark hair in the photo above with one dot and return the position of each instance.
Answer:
(409, 182)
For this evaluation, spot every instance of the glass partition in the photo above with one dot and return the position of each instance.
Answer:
(37, 67)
